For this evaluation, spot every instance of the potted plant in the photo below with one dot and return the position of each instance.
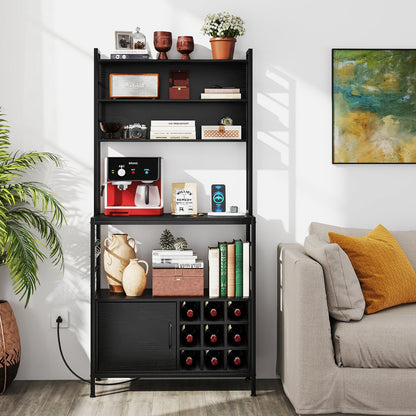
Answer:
(29, 218)
(223, 29)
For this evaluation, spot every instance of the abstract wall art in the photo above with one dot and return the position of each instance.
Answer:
(374, 105)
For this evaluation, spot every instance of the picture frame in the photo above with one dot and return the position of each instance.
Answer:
(124, 39)
(134, 85)
(373, 101)
(184, 198)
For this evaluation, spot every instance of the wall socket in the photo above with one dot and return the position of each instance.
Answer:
(64, 314)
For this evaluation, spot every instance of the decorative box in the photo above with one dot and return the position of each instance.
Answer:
(134, 85)
(221, 132)
(179, 85)
(178, 282)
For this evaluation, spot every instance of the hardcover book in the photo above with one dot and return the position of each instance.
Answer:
(238, 268)
(230, 270)
(223, 269)
(214, 272)
(246, 269)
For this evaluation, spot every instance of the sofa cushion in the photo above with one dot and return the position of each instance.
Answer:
(387, 278)
(406, 239)
(344, 296)
(386, 339)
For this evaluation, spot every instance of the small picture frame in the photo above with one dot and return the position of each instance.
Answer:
(134, 85)
(184, 198)
(124, 40)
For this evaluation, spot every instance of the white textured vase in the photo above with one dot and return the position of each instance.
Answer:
(117, 254)
(135, 278)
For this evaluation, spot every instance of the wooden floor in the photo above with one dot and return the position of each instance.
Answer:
(146, 397)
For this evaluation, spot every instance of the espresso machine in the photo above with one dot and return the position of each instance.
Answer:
(133, 186)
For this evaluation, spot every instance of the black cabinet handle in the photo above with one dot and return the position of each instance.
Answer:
(170, 335)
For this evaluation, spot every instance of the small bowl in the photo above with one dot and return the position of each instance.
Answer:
(110, 127)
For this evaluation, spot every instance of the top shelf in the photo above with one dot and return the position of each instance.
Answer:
(173, 61)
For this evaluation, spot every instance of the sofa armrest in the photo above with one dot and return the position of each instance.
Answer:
(306, 361)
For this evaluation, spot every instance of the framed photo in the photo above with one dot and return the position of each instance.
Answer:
(124, 40)
(184, 198)
(134, 85)
(373, 106)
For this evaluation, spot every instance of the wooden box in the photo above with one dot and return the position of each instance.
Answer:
(179, 85)
(220, 132)
(178, 282)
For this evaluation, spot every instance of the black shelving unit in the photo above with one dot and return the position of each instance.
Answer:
(141, 336)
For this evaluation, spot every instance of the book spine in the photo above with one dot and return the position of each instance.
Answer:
(179, 258)
(172, 123)
(223, 269)
(196, 265)
(173, 252)
(238, 269)
(246, 269)
(175, 261)
(222, 90)
(172, 136)
(214, 272)
(230, 270)
(173, 129)
(220, 96)
(126, 57)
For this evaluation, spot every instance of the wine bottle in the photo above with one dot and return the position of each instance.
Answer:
(189, 335)
(236, 334)
(237, 311)
(236, 359)
(189, 311)
(213, 359)
(212, 311)
(189, 359)
(213, 335)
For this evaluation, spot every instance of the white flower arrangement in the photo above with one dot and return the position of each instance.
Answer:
(223, 25)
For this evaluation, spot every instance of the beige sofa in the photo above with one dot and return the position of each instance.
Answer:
(363, 366)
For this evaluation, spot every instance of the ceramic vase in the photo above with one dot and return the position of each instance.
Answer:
(9, 346)
(135, 278)
(162, 42)
(185, 45)
(118, 250)
(222, 48)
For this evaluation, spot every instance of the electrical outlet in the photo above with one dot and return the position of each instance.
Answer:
(64, 314)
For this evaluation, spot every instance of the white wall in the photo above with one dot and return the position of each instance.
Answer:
(46, 89)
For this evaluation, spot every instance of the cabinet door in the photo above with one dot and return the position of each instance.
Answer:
(136, 336)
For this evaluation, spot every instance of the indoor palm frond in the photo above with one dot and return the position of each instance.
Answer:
(30, 215)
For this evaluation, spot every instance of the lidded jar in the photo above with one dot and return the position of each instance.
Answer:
(139, 40)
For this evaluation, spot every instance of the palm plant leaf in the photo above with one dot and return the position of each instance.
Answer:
(29, 217)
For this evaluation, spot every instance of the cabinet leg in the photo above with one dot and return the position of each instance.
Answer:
(253, 386)
(92, 386)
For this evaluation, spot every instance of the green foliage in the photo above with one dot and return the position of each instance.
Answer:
(30, 215)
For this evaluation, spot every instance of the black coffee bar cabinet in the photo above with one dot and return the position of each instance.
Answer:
(142, 337)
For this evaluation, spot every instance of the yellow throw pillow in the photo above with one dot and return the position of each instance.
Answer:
(386, 276)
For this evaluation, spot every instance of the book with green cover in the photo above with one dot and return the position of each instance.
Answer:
(223, 269)
(238, 269)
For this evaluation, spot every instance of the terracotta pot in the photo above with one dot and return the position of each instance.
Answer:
(117, 255)
(162, 42)
(222, 48)
(185, 45)
(9, 346)
(135, 278)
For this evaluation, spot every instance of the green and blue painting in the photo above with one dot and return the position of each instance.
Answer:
(374, 106)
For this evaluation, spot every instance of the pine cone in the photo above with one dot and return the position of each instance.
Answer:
(167, 240)
(180, 244)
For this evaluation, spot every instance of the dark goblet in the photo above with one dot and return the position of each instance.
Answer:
(110, 127)
(162, 42)
(185, 45)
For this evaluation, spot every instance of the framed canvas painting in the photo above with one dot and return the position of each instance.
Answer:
(374, 106)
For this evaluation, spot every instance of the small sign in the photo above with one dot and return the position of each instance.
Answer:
(184, 198)
(134, 85)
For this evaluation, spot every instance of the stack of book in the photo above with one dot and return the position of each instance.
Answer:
(221, 94)
(172, 130)
(175, 259)
(130, 54)
(229, 269)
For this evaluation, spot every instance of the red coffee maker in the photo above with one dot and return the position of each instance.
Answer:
(133, 186)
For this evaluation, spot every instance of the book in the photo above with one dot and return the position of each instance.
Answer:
(174, 261)
(187, 252)
(231, 270)
(220, 96)
(238, 268)
(131, 52)
(174, 256)
(246, 269)
(213, 272)
(128, 56)
(172, 129)
(223, 269)
(173, 136)
(199, 264)
(222, 90)
(169, 123)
